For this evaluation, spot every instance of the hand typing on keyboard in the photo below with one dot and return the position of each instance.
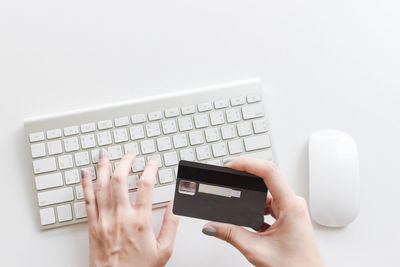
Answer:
(120, 233)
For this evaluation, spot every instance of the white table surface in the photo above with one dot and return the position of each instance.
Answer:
(324, 64)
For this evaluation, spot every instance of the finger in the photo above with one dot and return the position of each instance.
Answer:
(167, 234)
(276, 184)
(264, 227)
(103, 182)
(144, 197)
(237, 236)
(119, 181)
(90, 199)
(269, 210)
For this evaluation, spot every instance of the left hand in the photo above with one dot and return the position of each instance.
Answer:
(121, 234)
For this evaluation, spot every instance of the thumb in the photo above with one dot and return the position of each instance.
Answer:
(237, 236)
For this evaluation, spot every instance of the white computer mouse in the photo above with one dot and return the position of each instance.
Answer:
(334, 180)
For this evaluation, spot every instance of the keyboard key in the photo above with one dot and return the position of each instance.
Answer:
(261, 154)
(164, 143)
(88, 141)
(120, 135)
(232, 115)
(115, 152)
(170, 158)
(48, 180)
(160, 194)
(104, 138)
(147, 146)
(138, 164)
(237, 101)
(212, 134)
(153, 129)
(155, 115)
(187, 154)
(131, 148)
(185, 124)
(156, 157)
(132, 181)
(252, 111)
(190, 109)
(91, 170)
(244, 128)
(196, 138)
(235, 146)
(136, 132)
(88, 127)
(55, 196)
(106, 124)
(257, 142)
(64, 213)
(201, 120)
(71, 144)
(204, 106)
(72, 176)
(38, 150)
(80, 210)
(122, 121)
(82, 158)
(95, 155)
(203, 152)
(179, 140)
(138, 118)
(54, 147)
(253, 98)
(38, 136)
(55, 133)
(79, 192)
(221, 103)
(217, 118)
(169, 126)
(165, 176)
(171, 112)
(71, 130)
(47, 216)
(215, 162)
(44, 165)
(219, 149)
(228, 132)
(65, 162)
(260, 126)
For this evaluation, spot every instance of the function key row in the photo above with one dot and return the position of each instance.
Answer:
(139, 118)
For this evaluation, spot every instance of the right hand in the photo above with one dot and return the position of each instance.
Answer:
(289, 241)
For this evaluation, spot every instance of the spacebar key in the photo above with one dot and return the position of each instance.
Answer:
(55, 196)
(160, 194)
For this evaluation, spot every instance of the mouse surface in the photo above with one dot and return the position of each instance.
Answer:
(334, 181)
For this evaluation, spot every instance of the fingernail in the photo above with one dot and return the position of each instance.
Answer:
(101, 153)
(209, 230)
(82, 174)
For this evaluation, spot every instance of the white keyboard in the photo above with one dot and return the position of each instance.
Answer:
(209, 125)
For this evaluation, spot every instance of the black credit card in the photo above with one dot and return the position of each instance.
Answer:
(219, 194)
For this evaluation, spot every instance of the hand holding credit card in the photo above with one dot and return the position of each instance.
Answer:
(219, 194)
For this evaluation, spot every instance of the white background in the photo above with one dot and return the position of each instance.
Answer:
(325, 64)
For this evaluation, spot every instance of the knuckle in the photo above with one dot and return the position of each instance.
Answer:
(145, 183)
(228, 234)
(117, 178)
(299, 206)
(88, 200)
